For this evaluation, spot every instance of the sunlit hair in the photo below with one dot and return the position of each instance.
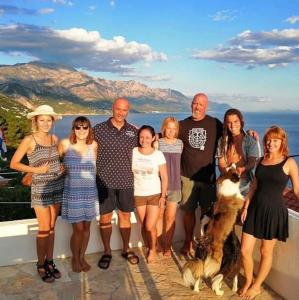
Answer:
(81, 121)
(275, 132)
(34, 127)
(168, 120)
(227, 137)
(148, 128)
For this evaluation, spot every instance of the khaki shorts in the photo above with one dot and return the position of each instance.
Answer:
(174, 196)
(196, 193)
(147, 200)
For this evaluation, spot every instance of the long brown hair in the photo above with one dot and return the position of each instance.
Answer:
(275, 132)
(227, 137)
(81, 121)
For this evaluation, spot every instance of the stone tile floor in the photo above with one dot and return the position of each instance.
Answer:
(161, 280)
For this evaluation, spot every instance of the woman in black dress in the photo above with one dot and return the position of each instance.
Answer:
(264, 215)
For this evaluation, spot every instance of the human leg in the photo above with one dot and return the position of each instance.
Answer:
(54, 210)
(247, 247)
(266, 249)
(189, 203)
(124, 223)
(76, 241)
(43, 216)
(160, 229)
(106, 231)
(170, 214)
(141, 211)
(85, 239)
(152, 214)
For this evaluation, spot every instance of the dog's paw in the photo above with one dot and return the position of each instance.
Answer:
(219, 292)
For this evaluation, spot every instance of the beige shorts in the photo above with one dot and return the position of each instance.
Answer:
(147, 200)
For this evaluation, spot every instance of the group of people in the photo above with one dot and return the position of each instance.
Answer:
(124, 168)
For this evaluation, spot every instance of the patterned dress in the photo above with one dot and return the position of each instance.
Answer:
(80, 194)
(46, 189)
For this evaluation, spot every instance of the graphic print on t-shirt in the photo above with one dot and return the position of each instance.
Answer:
(197, 138)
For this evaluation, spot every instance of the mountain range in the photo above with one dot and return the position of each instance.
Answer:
(71, 92)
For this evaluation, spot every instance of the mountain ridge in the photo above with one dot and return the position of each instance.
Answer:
(71, 91)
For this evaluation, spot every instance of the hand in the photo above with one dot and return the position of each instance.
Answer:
(43, 169)
(62, 168)
(243, 215)
(162, 201)
(253, 134)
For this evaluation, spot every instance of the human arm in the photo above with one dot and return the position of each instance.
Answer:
(248, 198)
(222, 165)
(95, 147)
(164, 183)
(26, 146)
(294, 176)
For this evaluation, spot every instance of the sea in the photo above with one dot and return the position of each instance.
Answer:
(258, 121)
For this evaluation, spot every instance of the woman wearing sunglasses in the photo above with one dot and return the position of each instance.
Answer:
(80, 194)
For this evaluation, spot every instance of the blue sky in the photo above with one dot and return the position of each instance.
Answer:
(244, 53)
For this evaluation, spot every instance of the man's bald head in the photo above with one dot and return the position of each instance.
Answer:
(199, 106)
(120, 110)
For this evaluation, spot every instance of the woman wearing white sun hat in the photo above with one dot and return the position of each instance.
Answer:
(47, 183)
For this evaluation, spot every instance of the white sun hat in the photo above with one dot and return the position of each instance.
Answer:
(44, 110)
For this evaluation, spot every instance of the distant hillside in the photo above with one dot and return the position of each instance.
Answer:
(13, 118)
(71, 91)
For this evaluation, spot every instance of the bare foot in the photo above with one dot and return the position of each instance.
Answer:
(76, 267)
(85, 266)
(251, 293)
(152, 256)
(167, 253)
(244, 289)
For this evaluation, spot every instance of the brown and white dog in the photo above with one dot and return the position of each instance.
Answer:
(218, 252)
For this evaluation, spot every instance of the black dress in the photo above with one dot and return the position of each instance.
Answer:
(267, 216)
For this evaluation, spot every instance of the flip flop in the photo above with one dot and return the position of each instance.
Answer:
(104, 261)
(131, 257)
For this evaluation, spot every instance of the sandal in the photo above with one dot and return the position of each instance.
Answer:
(52, 267)
(104, 261)
(131, 257)
(44, 273)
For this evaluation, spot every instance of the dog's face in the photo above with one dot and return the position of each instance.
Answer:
(228, 184)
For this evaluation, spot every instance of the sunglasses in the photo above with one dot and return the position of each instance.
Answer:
(83, 127)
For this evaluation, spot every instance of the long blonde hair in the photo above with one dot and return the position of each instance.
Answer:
(166, 121)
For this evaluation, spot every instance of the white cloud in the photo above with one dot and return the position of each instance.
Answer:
(147, 77)
(64, 2)
(273, 49)
(238, 99)
(46, 11)
(76, 47)
(224, 15)
(292, 20)
(92, 7)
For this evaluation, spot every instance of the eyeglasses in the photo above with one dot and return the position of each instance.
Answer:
(83, 127)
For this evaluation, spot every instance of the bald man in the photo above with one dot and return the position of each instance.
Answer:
(199, 133)
(116, 139)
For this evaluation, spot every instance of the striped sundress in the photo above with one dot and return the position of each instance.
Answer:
(80, 195)
(46, 189)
